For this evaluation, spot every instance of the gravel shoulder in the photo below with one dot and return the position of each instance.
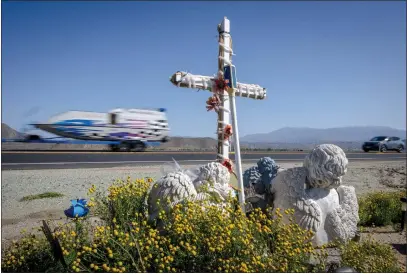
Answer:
(365, 176)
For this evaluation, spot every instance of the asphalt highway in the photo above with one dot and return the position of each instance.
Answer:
(18, 160)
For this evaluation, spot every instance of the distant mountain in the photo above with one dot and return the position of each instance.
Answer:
(9, 133)
(313, 135)
(191, 143)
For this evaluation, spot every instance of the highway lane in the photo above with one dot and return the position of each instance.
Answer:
(71, 159)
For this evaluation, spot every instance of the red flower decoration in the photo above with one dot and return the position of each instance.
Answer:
(228, 164)
(228, 132)
(213, 102)
(221, 85)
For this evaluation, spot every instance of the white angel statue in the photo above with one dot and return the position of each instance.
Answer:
(177, 185)
(321, 204)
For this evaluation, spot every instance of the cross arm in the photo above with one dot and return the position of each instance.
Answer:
(187, 80)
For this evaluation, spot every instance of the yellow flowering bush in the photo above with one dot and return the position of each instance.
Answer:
(380, 208)
(192, 237)
(124, 199)
(218, 240)
(369, 256)
(30, 254)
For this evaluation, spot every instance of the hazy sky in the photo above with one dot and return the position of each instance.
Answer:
(325, 64)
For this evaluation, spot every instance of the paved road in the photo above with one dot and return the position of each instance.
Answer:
(55, 160)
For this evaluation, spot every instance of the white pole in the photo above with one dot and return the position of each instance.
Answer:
(231, 105)
(237, 150)
(225, 32)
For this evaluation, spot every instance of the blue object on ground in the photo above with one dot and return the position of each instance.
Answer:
(78, 209)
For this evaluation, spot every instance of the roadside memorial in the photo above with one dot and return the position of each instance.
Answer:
(224, 88)
(314, 190)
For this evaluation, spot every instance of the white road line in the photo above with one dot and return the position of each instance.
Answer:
(135, 162)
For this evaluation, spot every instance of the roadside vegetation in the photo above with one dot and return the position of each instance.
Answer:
(193, 237)
(44, 195)
(369, 256)
(380, 208)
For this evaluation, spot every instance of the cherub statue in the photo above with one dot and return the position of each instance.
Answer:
(257, 181)
(321, 204)
(210, 180)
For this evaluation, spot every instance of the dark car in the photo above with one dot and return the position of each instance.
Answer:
(383, 144)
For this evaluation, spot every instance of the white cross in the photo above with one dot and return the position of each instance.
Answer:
(187, 80)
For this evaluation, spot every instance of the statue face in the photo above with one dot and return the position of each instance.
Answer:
(326, 165)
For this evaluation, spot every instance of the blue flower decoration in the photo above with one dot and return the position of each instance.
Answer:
(77, 209)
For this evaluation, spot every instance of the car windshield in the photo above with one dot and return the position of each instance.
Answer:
(380, 138)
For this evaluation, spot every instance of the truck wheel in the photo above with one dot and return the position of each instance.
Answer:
(125, 147)
(114, 148)
(33, 138)
(139, 146)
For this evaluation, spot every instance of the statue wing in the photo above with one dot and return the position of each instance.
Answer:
(349, 201)
(291, 183)
(175, 186)
(308, 214)
(176, 182)
(343, 220)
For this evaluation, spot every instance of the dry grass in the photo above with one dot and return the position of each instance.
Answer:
(44, 195)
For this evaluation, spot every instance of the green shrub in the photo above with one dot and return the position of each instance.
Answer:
(369, 256)
(380, 208)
